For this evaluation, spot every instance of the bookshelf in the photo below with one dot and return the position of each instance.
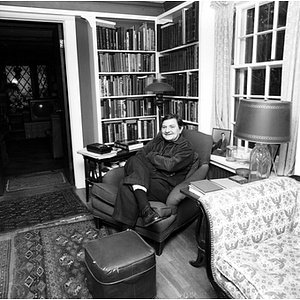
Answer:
(178, 57)
(126, 55)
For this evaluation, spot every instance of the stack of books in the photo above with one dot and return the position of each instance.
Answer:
(201, 187)
(128, 145)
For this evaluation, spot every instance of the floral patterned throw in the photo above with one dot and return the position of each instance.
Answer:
(255, 238)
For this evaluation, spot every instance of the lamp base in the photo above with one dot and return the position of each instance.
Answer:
(260, 163)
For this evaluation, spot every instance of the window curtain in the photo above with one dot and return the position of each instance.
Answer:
(221, 108)
(291, 86)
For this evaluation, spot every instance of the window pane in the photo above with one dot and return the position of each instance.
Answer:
(250, 21)
(42, 81)
(275, 82)
(236, 106)
(21, 76)
(264, 44)
(258, 82)
(266, 15)
(248, 50)
(280, 45)
(282, 13)
(241, 81)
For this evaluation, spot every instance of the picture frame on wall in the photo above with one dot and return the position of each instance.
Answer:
(221, 139)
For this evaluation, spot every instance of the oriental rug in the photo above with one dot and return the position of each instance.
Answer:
(50, 261)
(5, 252)
(35, 180)
(38, 209)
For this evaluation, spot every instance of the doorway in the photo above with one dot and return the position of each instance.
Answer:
(32, 64)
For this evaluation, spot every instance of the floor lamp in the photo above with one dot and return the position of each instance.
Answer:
(159, 88)
(265, 123)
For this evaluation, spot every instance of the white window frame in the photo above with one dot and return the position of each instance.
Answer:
(239, 54)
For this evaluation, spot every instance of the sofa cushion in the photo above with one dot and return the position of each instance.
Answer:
(266, 270)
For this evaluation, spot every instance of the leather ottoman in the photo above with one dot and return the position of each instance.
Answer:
(121, 265)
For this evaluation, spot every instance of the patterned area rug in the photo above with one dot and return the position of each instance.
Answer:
(30, 181)
(28, 211)
(50, 261)
(5, 251)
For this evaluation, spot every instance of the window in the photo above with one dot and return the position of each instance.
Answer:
(32, 81)
(259, 45)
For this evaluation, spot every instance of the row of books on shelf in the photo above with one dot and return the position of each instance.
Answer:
(184, 59)
(185, 84)
(185, 109)
(123, 85)
(130, 107)
(182, 30)
(136, 37)
(191, 127)
(129, 130)
(126, 62)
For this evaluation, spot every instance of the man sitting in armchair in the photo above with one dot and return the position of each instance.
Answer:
(152, 173)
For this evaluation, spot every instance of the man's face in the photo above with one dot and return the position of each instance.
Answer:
(170, 130)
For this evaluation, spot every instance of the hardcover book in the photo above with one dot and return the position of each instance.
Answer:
(128, 145)
(239, 179)
(204, 186)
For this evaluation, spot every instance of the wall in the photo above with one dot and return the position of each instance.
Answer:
(87, 88)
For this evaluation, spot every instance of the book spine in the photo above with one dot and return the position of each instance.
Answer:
(121, 146)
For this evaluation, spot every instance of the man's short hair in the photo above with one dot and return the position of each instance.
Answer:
(173, 116)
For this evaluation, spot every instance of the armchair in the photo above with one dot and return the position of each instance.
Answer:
(253, 239)
(178, 209)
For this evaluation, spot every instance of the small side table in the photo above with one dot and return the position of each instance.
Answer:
(93, 163)
(221, 168)
(200, 230)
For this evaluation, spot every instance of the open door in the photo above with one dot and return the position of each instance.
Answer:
(63, 109)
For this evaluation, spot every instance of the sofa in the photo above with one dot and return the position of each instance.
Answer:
(253, 239)
(177, 211)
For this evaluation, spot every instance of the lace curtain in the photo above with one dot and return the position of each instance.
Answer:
(291, 85)
(223, 49)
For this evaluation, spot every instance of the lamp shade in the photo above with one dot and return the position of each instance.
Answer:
(266, 122)
(159, 87)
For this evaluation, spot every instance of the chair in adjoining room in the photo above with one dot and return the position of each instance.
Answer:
(178, 210)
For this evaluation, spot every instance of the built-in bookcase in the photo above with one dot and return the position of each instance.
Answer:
(134, 50)
(178, 53)
(126, 52)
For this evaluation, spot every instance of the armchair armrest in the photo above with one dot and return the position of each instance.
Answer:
(114, 176)
(175, 197)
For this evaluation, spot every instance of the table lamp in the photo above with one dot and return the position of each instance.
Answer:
(264, 122)
(159, 87)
